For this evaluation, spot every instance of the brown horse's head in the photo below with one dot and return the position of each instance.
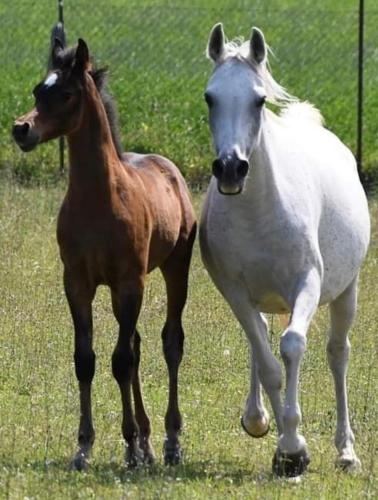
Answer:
(58, 98)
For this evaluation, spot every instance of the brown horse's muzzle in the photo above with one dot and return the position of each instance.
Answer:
(25, 132)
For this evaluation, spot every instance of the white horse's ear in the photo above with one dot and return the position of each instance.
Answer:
(257, 46)
(216, 45)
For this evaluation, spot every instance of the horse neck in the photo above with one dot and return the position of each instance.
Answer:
(262, 183)
(93, 157)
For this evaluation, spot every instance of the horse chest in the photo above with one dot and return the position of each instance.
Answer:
(265, 258)
(268, 280)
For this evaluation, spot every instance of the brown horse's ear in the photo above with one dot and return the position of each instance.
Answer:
(58, 42)
(55, 51)
(81, 61)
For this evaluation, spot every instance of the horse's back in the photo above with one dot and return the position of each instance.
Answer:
(164, 184)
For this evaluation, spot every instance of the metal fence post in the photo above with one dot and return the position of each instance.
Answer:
(360, 91)
(58, 32)
(61, 139)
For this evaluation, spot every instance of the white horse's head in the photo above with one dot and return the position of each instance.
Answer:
(235, 95)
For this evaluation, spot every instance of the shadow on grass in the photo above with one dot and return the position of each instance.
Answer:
(188, 472)
(108, 473)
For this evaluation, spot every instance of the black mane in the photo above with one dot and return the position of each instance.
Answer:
(100, 78)
(64, 60)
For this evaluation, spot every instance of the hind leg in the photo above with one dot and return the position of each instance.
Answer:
(175, 271)
(342, 312)
(140, 413)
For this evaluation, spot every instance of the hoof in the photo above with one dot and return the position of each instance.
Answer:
(172, 453)
(79, 463)
(348, 462)
(290, 464)
(148, 458)
(148, 455)
(134, 457)
(261, 428)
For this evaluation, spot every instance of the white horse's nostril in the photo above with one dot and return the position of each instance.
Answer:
(217, 168)
(242, 168)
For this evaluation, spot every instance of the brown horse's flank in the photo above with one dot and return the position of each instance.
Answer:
(123, 215)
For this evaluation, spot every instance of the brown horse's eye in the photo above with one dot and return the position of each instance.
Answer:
(66, 96)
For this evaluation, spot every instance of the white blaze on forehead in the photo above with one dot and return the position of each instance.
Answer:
(51, 80)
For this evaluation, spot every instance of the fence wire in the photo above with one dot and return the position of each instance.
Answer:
(155, 52)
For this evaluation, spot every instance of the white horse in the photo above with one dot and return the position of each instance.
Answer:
(291, 237)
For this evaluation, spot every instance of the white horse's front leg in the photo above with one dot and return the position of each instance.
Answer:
(267, 369)
(291, 458)
(255, 420)
(342, 310)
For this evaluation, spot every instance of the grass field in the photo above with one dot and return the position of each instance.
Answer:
(39, 400)
(155, 53)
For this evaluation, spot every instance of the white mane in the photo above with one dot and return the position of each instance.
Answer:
(276, 94)
(293, 109)
(302, 111)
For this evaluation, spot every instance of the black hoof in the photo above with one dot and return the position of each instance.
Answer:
(290, 465)
(79, 463)
(134, 457)
(148, 455)
(148, 458)
(253, 435)
(172, 453)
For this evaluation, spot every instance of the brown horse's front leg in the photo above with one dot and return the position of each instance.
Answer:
(80, 299)
(126, 306)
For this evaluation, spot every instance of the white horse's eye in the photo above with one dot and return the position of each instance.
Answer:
(261, 101)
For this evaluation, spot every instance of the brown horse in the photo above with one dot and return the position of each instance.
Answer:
(123, 215)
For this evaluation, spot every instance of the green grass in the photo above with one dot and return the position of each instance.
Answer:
(155, 53)
(39, 398)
